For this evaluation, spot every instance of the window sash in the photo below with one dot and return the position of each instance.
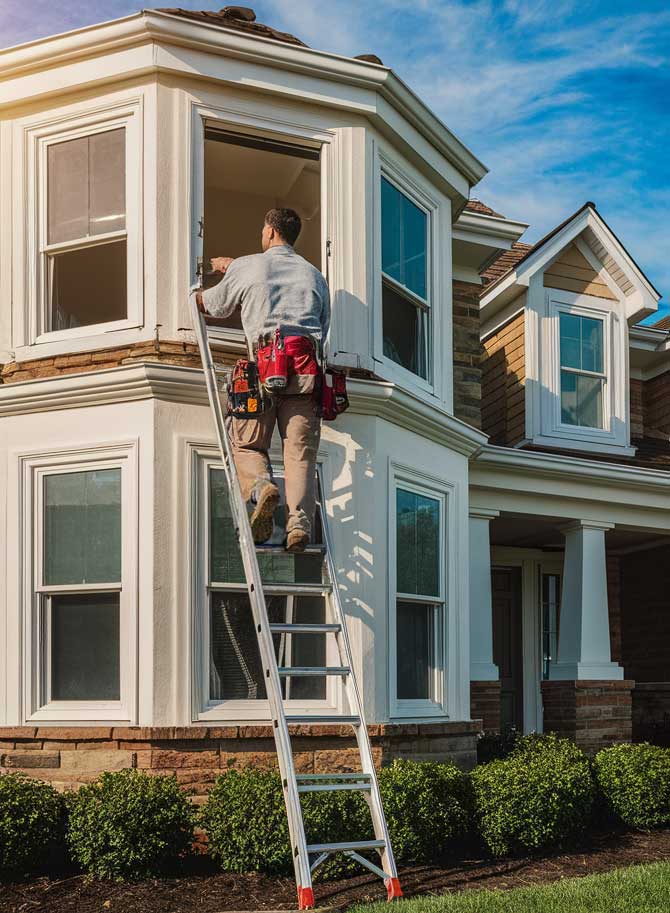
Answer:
(425, 256)
(436, 662)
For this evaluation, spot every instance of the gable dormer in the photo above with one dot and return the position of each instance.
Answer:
(555, 330)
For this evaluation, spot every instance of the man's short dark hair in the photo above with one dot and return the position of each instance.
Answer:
(286, 222)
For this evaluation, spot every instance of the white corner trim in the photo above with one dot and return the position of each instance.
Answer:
(388, 401)
(149, 380)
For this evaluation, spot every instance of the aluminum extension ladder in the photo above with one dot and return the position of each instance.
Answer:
(306, 857)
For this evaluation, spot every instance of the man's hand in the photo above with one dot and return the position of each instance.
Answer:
(221, 264)
(200, 303)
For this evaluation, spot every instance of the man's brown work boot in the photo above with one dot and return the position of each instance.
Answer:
(297, 540)
(265, 498)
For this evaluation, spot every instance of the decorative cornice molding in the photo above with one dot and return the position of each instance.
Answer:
(149, 380)
(388, 401)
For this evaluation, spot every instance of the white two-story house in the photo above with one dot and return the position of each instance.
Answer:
(130, 153)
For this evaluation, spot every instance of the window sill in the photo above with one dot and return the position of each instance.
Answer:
(87, 714)
(418, 711)
(52, 345)
(235, 712)
(588, 443)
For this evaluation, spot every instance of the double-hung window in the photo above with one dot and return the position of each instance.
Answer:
(419, 599)
(80, 592)
(232, 682)
(582, 370)
(88, 239)
(406, 318)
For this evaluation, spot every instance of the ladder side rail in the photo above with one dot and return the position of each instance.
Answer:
(259, 612)
(356, 703)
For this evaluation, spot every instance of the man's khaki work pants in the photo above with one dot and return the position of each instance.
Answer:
(300, 430)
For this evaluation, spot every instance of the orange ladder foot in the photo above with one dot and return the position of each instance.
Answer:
(305, 898)
(393, 888)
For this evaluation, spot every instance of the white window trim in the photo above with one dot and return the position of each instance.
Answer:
(33, 339)
(249, 119)
(204, 459)
(423, 197)
(614, 437)
(33, 469)
(409, 480)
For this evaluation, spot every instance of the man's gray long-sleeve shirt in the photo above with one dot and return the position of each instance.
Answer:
(275, 288)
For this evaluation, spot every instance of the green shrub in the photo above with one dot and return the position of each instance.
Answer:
(634, 781)
(428, 808)
(540, 796)
(31, 823)
(245, 821)
(129, 824)
(492, 746)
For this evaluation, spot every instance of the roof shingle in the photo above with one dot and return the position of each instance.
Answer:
(241, 18)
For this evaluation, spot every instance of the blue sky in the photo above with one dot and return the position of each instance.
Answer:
(564, 100)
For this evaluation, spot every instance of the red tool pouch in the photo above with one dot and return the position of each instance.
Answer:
(334, 399)
(244, 393)
(283, 357)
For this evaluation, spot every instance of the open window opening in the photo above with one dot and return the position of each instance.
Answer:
(245, 176)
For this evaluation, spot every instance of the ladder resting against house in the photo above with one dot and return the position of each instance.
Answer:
(307, 857)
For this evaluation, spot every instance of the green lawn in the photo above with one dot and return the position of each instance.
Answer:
(639, 889)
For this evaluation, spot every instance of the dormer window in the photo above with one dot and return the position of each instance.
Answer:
(582, 370)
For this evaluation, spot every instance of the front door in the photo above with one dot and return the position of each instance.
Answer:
(507, 643)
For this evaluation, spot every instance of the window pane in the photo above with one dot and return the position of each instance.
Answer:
(235, 666)
(86, 186)
(581, 400)
(404, 332)
(88, 286)
(417, 544)
(225, 558)
(404, 239)
(415, 629)
(551, 594)
(107, 181)
(85, 643)
(82, 527)
(581, 343)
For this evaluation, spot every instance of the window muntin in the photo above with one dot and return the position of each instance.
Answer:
(84, 246)
(81, 586)
(405, 280)
(235, 671)
(582, 370)
(419, 600)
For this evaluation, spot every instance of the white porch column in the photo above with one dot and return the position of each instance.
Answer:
(584, 632)
(482, 667)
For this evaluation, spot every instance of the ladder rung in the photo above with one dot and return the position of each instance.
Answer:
(312, 778)
(343, 847)
(285, 671)
(324, 720)
(280, 550)
(332, 787)
(297, 589)
(305, 629)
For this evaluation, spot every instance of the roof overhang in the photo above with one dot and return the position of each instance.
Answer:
(366, 88)
(649, 351)
(639, 296)
(479, 238)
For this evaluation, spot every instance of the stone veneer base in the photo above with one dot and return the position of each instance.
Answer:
(69, 756)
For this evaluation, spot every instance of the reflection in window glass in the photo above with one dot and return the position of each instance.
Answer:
(85, 642)
(582, 370)
(82, 527)
(418, 543)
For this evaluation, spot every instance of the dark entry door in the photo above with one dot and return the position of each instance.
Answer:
(507, 643)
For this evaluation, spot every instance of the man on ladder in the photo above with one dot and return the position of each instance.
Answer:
(285, 309)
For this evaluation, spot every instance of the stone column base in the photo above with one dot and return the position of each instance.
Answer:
(485, 704)
(594, 714)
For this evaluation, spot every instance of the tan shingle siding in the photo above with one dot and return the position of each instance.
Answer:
(503, 383)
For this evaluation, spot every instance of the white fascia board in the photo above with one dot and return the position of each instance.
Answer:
(491, 231)
(155, 27)
(558, 466)
(650, 339)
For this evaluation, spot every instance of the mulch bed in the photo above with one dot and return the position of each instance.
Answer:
(204, 890)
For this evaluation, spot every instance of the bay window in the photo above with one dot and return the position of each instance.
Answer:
(419, 599)
(405, 280)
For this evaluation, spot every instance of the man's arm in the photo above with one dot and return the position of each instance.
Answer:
(223, 298)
